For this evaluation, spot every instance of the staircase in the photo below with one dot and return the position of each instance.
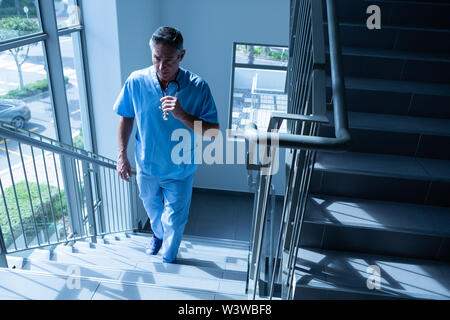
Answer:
(386, 202)
(117, 268)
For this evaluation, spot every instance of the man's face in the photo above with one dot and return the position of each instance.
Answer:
(166, 61)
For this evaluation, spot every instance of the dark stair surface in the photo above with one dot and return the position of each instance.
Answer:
(385, 202)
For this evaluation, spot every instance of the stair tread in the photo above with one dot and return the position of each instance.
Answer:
(395, 86)
(381, 215)
(22, 284)
(400, 277)
(110, 270)
(187, 244)
(396, 123)
(394, 27)
(384, 165)
(198, 240)
(394, 54)
(158, 274)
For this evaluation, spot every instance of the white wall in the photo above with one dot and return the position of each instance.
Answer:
(210, 27)
(117, 41)
(102, 45)
(117, 35)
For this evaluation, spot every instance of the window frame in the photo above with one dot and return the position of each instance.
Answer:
(50, 38)
(237, 135)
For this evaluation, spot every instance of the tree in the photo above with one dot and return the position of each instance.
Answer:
(251, 54)
(17, 4)
(14, 27)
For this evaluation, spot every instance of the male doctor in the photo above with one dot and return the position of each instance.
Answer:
(161, 99)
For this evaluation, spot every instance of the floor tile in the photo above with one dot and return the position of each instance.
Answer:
(113, 291)
(22, 285)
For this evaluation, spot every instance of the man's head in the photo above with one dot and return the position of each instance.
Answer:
(167, 52)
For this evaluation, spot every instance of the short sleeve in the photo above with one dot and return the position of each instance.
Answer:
(124, 102)
(209, 111)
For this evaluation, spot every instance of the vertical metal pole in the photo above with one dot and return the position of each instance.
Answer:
(60, 198)
(81, 187)
(29, 195)
(113, 203)
(3, 251)
(97, 190)
(272, 225)
(302, 208)
(79, 199)
(15, 195)
(268, 180)
(283, 222)
(9, 219)
(106, 212)
(132, 204)
(120, 195)
(116, 195)
(89, 201)
(40, 196)
(50, 196)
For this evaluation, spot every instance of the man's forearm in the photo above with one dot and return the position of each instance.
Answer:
(208, 128)
(125, 128)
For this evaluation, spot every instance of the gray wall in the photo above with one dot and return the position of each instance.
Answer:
(117, 40)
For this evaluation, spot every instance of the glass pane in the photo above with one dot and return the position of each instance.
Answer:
(256, 94)
(75, 88)
(24, 91)
(18, 18)
(67, 13)
(39, 215)
(263, 55)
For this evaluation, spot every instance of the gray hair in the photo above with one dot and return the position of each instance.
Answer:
(168, 36)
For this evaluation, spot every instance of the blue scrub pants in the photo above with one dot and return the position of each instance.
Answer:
(167, 219)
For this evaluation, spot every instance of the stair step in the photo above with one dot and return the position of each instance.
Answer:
(188, 244)
(363, 97)
(327, 274)
(394, 54)
(192, 240)
(157, 274)
(379, 215)
(377, 227)
(382, 177)
(433, 14)
(396, 97)
(419, 88)
(378, 64)
(117, 268)
(394, 134)
(22, 284)
(401, 38)
(396, 123)
(384, 165)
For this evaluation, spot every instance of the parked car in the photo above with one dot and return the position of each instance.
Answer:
(14, 112)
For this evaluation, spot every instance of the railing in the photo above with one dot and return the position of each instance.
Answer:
(52, 193)
(306, 112)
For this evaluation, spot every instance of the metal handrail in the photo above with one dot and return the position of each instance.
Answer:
(36, 140)
(342, 139)
(297, 141)
(91, 193)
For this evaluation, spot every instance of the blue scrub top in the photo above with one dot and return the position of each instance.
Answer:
(140, 99)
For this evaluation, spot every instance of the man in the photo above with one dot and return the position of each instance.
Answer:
(164, 187)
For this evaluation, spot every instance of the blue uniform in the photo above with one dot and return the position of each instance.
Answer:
(158, 177)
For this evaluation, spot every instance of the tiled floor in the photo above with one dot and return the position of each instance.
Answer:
(220, 214)
(118, 268)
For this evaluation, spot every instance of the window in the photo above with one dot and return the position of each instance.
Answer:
(258, 85)
(43, 90)
(24, 76)
(67, 13)
(18, 19)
